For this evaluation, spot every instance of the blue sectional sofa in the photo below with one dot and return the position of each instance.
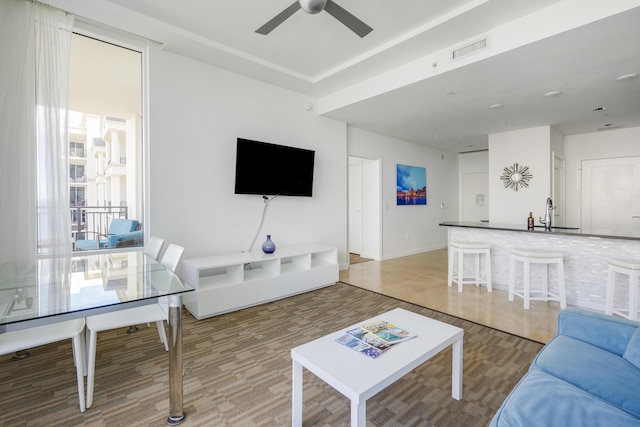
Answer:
(587, 375)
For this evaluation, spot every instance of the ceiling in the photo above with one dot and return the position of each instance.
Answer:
(398, 80)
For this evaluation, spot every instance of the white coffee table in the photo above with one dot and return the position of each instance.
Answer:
(360, 377)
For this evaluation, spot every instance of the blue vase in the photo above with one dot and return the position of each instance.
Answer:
(268, 247)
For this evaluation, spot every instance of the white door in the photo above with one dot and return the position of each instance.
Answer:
(611, 195)
(475, 196)
(355, 205)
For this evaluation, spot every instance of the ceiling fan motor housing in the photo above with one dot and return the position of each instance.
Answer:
(312, 6)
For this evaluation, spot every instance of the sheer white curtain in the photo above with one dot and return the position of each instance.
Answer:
(53, 52)
(17, 133)
(34, 209)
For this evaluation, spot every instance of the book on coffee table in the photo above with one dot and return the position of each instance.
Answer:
(375, 338)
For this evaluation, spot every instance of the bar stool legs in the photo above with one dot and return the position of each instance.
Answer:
(528, 257)
(630, 268)
(457, 251)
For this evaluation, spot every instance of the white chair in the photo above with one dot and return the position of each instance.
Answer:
(153, 247)
(630, 268)
(122, 318)
(13, 341)
(172, 257)
(534, 256)
(457, 251)
(170, 260)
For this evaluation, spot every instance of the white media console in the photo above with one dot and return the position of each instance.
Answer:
(226, 283)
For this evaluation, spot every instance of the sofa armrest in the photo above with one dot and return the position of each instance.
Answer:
(605, 331)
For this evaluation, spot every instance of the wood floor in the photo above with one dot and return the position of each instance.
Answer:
(422, 279)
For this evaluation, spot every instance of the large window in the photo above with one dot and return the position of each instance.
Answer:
(105, 144)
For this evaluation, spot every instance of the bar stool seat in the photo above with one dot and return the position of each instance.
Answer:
(469, 248)
(537, 256)
(630, 268)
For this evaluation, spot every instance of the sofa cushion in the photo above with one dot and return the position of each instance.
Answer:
(632, 353)
(541, 399)
(611, 333)
(597, 371)
(120, 226)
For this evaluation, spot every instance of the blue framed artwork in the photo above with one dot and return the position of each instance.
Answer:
(411, 184)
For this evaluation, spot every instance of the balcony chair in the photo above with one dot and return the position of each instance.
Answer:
(121, 232)
(132, 316)
(13, 341)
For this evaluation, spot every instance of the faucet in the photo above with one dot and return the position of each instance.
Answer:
(548, 215)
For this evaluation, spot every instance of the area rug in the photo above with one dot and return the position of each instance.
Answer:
(237, 372)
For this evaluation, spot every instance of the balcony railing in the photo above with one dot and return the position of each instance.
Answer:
(94, 220)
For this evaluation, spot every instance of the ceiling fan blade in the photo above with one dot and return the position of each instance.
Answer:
(354, 24)
(278, 19)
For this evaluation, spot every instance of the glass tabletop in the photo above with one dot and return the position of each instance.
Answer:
(52, 286)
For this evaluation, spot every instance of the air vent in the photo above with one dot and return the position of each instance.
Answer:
(469, 49)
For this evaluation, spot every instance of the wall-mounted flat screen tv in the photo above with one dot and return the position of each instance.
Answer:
(271, 169)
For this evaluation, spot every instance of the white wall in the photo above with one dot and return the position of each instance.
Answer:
(419, 223)
(528, 147)
(196, 113)
(589, 146)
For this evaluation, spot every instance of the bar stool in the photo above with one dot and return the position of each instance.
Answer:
(630, 268)
(535, 256)
(469, 248)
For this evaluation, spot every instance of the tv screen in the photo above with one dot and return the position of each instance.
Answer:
(270, 169)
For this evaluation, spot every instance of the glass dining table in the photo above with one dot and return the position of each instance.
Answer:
(56, 289)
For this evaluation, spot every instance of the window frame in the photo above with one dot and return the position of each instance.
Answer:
(140, 45)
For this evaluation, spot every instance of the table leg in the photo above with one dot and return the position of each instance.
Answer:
(296, 395)
(176, 414)
(456, 370)
(358, 413)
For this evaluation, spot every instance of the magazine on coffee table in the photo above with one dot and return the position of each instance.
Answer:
(373, 339)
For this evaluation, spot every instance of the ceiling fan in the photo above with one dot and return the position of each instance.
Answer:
(317, 6)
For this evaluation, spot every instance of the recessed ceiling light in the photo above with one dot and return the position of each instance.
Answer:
(451, 93)
(553, 93)
(495, 106)
(506, 125)
(610, 126)
(599, 109)
(627, 77)
(439, 135)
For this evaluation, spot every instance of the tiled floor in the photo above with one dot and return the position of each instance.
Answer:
(422, 279)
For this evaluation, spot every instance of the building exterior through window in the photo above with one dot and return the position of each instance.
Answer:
(105, 148)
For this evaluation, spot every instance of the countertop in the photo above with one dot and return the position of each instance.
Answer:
(570, 231)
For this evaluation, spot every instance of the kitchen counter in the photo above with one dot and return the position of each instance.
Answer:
(586, 255)
(571, 231)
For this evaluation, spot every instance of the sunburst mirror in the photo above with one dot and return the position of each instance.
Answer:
(516, 177)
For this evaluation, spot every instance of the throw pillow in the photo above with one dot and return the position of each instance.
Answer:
(632, 353)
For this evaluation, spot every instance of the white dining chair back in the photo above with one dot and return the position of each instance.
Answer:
(172, 256)
(13, 341)
(153, 247)
(119, 319)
